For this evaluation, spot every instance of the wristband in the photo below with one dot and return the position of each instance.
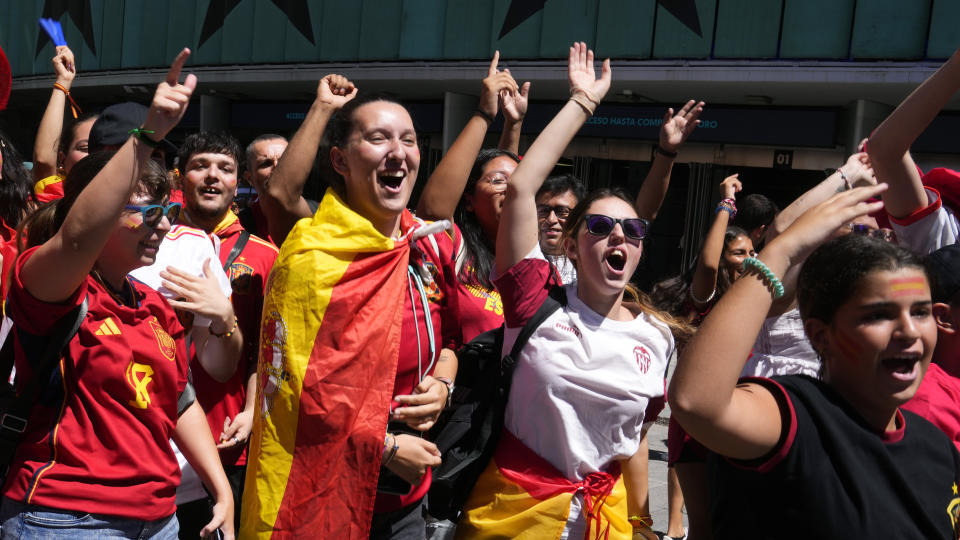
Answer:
(641, 521)
(659, 149)
(74, 108)
(584, 103)
(771, 279)
(729, 206)
(226, 334)
(846, 181)
(450, 387)
(586, 93)
(393, 452)
(485, 115)
(141, 134)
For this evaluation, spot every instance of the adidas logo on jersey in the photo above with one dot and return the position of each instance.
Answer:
(108, 328)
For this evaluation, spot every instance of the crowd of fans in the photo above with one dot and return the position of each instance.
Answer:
(278, 372)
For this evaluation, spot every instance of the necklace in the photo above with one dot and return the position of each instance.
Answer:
(123, 297)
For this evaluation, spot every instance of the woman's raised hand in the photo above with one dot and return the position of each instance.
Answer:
(817, 224)
(677, 127)
(731, 186)
(335, 90)
(582, 76)
(493, 85)
(65, 66)
(170, 100)
(514, 104)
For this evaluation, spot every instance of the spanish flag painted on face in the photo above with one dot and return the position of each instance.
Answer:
(330, 336)
(520, 495)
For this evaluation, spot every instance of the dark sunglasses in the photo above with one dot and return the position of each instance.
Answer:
(601, 225)
(153, 213)
(561, 211)
(880, 234)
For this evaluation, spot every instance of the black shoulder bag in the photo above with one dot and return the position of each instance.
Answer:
(15, 409)
(468, 432)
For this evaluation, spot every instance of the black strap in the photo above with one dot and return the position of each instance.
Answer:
(13, 422)
(237, 248)
(554, 301)
(186, 399)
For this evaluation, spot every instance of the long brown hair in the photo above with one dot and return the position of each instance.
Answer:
(634, 299)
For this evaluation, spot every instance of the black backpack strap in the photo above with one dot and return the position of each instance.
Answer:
(554, 301)
(13, 422)
(237, 249)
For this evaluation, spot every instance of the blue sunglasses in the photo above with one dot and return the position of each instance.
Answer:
(153, 213)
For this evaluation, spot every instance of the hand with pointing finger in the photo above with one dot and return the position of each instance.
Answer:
(496, 82)
(170, 100)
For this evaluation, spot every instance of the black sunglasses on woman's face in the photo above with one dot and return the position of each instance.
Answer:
(601, 225)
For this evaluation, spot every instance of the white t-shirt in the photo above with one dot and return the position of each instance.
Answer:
(928, 229)
(782, 348)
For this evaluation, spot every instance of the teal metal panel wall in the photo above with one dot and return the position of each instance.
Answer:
(816, 28)
(890, 29)
(148, 33)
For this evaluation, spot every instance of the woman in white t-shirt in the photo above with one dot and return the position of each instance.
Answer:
(582, 383)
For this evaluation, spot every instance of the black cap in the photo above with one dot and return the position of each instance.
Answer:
(944, 268)
(112, 127)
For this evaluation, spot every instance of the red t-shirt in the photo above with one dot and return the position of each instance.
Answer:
(414, 353)
(480, 310)
(938, 400)
(8, 250)
(248, 277)
(98, 442)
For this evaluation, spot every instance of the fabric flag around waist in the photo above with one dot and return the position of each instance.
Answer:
(329, 342)
(520, 495)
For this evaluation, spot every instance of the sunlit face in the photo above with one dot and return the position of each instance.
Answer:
(552, 212)
(379, 162)
(605, 264)
(879, 345)
(735, 252)
(209, 183)
(486, 200)
(78, 148)
(134, 244)
(263, 159)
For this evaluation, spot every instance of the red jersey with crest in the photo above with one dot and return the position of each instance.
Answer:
(248, 277)
(98, 439)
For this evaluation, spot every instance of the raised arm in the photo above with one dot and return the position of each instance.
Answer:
(518, 231)
(445, 186)
(514, 107)
(704, 283)
(282, 200)
(48, 133)
(62, 263)
(743, 420)
(889, 144)
(673, 132)
(855, 172)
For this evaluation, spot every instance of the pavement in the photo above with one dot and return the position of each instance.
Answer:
(657, 437)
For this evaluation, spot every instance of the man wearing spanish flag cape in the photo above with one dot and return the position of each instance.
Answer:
(358, 329)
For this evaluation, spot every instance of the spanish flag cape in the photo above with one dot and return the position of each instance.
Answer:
(329, 344)
(520, 495)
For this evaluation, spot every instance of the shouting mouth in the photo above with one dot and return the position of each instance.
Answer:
(392, 181)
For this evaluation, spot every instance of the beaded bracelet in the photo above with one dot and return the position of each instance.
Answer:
(729, 206)
(228, 333)
(769, 277)
(141, 134)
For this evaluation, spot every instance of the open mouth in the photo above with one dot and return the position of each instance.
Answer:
(616, 259)
(392, 180)
(903, 368)
(209, 192)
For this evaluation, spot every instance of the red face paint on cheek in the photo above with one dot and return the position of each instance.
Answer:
(848, 346)
(907, 286)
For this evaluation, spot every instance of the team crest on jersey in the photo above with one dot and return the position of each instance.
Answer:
(271, 370)
(240, 276)
(643, 358)
(953, 510)
(168, 347)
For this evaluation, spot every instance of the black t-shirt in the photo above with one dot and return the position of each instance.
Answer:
(832, 476)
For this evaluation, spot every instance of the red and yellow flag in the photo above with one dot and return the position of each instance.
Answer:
(329, 342)
(522, 496)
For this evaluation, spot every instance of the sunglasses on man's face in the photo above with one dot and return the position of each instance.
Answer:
(153, 213)
(601, 225)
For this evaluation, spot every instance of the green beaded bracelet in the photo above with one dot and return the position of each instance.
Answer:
(141, 134)
(768, 276)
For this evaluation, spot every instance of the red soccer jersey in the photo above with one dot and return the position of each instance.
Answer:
(8, 250)
(98, 441)
(248, 277)
(480, 310)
